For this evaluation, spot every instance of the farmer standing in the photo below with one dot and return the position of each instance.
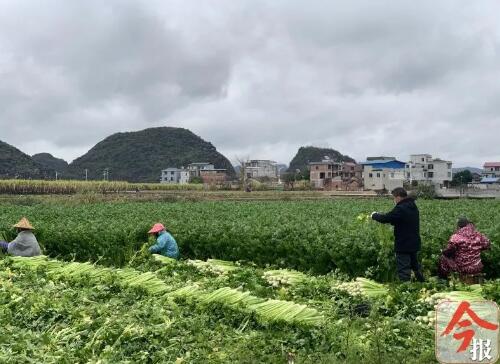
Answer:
(25, 244)
(406, 221)
(165, 242)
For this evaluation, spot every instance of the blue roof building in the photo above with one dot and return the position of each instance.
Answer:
(383, 173)
(490, 180)
(382, 163)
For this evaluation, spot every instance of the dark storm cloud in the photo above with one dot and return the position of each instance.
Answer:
(257, 78)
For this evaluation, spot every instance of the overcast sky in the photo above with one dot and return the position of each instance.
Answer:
(258, 79)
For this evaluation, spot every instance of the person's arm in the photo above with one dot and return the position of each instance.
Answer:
(485, 242)
(4, 246)
(390, 218)
(159, 246)
(450, 250)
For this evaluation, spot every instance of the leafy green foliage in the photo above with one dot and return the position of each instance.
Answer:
(49, 162)
(16, 164)
(314, 154)
(140, 156)
(307, 236)
(461, 178)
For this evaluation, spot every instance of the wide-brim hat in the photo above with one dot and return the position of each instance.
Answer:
(156, 228)
(24, 224)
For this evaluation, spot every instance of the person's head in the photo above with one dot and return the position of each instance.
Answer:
(462, 222)
(24, 225)
(399, 194)
(156, 229)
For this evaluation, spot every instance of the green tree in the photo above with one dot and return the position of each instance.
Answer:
(195, 180)
(462, 178)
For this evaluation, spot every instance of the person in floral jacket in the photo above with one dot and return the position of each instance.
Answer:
(463, 253)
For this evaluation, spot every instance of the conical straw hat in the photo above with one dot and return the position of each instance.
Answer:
(24, 224)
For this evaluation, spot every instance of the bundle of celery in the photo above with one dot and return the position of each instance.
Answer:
(268, 310)
(365, 287)
(214, 266)
(448, 302)
(164, 260)
(283, 277)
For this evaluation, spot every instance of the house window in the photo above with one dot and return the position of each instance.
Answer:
(392, 175)
(317, 167)
(423, 159)
(431, 174)
(322, 175)
(449, 174)
(378, 175)
(425, 174)
(408, 175)
(329, 166)
(497, 168)
(329, 174)
(370, 175)
(431, 166)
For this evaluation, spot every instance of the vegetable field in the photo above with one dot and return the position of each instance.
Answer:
(259, 282)
(318, 236)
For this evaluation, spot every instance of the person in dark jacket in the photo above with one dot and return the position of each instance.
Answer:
(406, 221)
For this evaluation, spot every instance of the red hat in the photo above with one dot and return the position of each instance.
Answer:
(156, 228)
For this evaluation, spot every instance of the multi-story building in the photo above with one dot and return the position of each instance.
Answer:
(213, 176)
(328, 174)
(322, 173)
(351, 170)
(258, 168)
(491, 169)
(385, 173)
(174, 175)
(422, 168)
(491, 175)
(195, 168)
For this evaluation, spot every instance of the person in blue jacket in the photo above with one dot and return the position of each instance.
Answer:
(165, 242)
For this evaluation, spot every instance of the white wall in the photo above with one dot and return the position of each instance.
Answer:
(387, 178)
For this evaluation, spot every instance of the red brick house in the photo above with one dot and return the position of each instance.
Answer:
(213, 176)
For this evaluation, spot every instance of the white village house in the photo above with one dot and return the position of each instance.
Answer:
(259, 168)
(175, 175)
(381, 173)
(422, 168)
(206, 171)
(490, 176)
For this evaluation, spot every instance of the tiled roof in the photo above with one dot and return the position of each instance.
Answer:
(491, 164)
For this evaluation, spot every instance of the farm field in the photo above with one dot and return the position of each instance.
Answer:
(259, 282)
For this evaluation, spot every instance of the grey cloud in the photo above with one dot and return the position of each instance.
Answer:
(256, 78)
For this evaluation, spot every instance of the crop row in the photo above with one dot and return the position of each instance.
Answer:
(308, 236)
(44, 187)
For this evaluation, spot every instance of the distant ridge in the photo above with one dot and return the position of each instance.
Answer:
(48, 161)
(140, 156)
(16, 164)
(305, 155)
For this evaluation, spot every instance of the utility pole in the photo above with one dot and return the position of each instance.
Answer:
(56, 175)
(106, 174)
(86, 174)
